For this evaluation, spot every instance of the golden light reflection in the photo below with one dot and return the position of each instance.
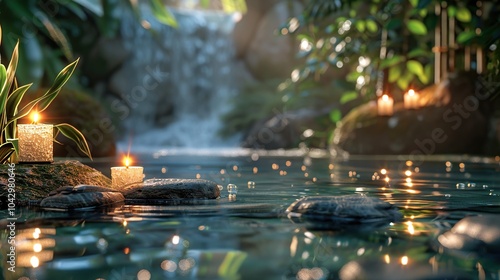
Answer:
(235, 167)
(303, 168)
(34, 261)
(293, 246)
(255, 170)
(125, 223)
(288, 163)
(222, 171)
(314, 179)
(408, 180)
(163, 170)
(331, 166)
(198, 175)
(168, 265)
(36, 233)
(387, 179)
(448, 164)
(383, 171)
(37, 247)
(126, 250)
(408, 173)
(409, 163)
(275, 166)
(387, 259)
(404, 260)
(143, 274)
(411, 229)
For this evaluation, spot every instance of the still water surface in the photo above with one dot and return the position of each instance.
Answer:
(247, 235)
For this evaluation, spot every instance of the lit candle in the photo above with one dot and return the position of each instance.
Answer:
(385, 105)
(411, 99)
(125, 175)
(35, 141)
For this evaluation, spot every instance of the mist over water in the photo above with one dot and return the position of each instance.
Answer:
(186, 82)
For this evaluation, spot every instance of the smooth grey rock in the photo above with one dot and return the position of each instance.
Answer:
(81, 196)
(476, 234)
(343, 210)
(153, 191)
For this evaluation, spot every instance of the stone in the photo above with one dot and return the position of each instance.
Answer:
(454, 120)
(334, 211)
(473, 234)
(270, 54)
(161, 191)
(34, 182)
(81, 196)
(284, 130)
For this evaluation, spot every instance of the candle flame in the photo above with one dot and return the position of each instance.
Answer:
(385, 97)
(127, 161)
(35, 117)
(411, 92)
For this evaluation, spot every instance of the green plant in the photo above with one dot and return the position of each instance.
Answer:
(11, 97)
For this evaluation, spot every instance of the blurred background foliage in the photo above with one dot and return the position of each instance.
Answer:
(53, 33)
(342, 62)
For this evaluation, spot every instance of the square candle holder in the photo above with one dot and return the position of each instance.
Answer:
(122, 176)
(36, 144)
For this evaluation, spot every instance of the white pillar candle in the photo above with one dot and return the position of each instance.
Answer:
(385, 105)
(411, 99)
(125, 175)
(35, 142)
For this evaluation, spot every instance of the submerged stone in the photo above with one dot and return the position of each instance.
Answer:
(474, 234)
(33, 182)
(81, 196)
(330, 211)
(157, 191)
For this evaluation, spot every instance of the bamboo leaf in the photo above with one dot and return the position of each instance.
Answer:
(162, 14)
(466, 36)
(10, 74)
(335, 115)
(371, 25)
(13, 102)
(348, 96)
(416, 27)
(463, 14)
(6, 150)
(76, 136)
(415, 67)
(394, 73)
(360, 25)
(388, 62)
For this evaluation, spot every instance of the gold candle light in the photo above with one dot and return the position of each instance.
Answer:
(35, 141)
(411, 99)
(385, 105)
(124, 175)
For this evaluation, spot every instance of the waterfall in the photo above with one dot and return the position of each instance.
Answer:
(184, 78)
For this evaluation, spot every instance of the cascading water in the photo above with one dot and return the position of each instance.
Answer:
(185, 79)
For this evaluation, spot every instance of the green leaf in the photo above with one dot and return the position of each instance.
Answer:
(394, 73)
(352, 76)
(231, 6)
(371, 25)
(417, 52)
(13, 102)
(10, 73)
(463, 14)
(416, 27)
(348, 96)
(465, 37)
(335, 115)
(388, 62)
(415, 67)
(6, 150)
(452, 11)
(360, 25)
(162, 14)
(404, 80)
(0, 36)
(44, 101)
(76, 136)
(414, 3)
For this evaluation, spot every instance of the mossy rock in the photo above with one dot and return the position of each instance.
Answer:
(34, 182)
